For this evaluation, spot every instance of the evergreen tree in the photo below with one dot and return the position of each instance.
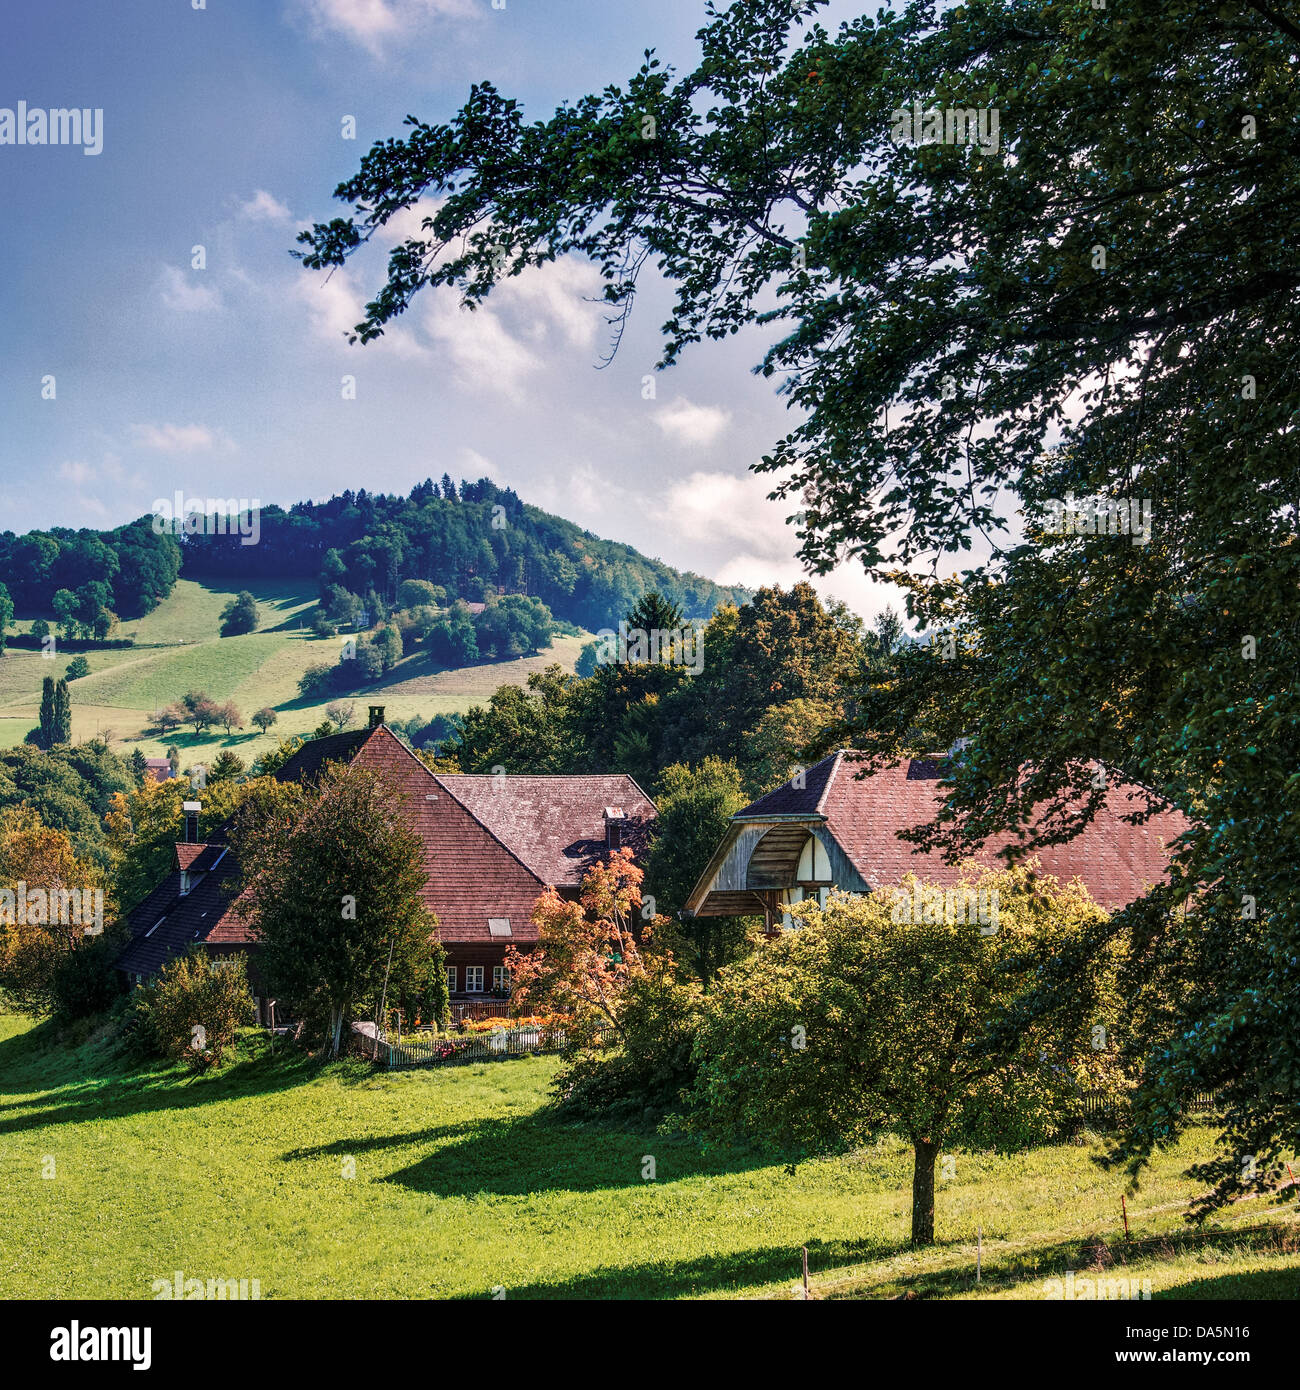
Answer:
(62, 713)
(45, 732)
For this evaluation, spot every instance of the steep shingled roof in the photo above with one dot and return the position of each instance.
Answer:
(555, 826)
(1117, 861)
(488, 851)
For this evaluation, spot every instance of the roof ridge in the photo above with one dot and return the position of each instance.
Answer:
(837, 756)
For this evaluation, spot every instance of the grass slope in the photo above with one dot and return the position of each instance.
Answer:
(178, 648)
(463, 1183)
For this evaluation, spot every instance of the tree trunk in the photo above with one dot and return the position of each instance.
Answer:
(926, 1153)
(336, 1028)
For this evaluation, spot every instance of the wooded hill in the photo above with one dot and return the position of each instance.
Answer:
(474, 540)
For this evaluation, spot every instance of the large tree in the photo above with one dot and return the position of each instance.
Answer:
(884, 1013)
(331, 885)
(971, 336)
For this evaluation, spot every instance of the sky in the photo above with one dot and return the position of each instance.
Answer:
(129, 372)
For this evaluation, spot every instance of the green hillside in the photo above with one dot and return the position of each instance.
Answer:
(178, 648)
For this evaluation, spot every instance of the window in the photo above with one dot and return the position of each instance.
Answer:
(473, 979)
(451, 979)
(500, 978)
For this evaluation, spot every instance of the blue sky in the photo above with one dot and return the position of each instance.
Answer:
(222, 129)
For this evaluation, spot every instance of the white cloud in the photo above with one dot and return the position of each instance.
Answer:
(76, 473)
(335, 306)
(183, 292)
(696, 426)
(479, 348)
(755, 545)
(179, 439)
(265, 207)
(374, 23)
(555, 298)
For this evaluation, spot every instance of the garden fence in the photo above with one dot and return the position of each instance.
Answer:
(435, 1050)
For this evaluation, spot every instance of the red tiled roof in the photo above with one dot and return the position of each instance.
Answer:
(1116, 861)
(555, 826)
(487, 853)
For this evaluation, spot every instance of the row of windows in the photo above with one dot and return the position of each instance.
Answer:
(474, 979)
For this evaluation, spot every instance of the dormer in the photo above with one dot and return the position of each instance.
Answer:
(615, 819)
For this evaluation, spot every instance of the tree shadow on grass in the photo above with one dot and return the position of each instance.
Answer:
(728, 1272)
(109, 1086)
(1112, 1266)
(534, 1154)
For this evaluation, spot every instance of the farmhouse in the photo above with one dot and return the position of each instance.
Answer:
(835, 828)
(491, 844)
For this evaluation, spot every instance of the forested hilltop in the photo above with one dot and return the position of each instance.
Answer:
(474, 541)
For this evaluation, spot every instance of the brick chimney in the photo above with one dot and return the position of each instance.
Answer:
(376, 716)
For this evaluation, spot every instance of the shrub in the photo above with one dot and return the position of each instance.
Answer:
(77, 668)
(239, 615)
(653, 1063)
(197, 1006)
(84, 981)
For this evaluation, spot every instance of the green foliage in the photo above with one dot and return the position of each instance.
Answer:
(75, 574)
(77, 668)
(227, 766)
(651, 1066)
(473, 542)
(84, 982)
(196, 1006)
(6, 615)
(239, 615)
(966, 338)
(695, 806)
(265, 717)
(69, 787)
(458, 1138)
(332, 885)
(865, 1019)
(524, 729)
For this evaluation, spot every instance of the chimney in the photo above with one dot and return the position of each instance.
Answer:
(614, 818)
(376, 716)
(191, 809)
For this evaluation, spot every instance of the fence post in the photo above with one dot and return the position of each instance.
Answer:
(806, 1294)
(979, 1251)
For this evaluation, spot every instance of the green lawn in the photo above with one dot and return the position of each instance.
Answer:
(178, 648)
(462, 1183)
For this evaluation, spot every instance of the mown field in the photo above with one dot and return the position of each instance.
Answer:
(178, 648)
(340, 1181)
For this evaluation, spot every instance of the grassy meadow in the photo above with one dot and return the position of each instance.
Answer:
(178, 648)
(342, 1181)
